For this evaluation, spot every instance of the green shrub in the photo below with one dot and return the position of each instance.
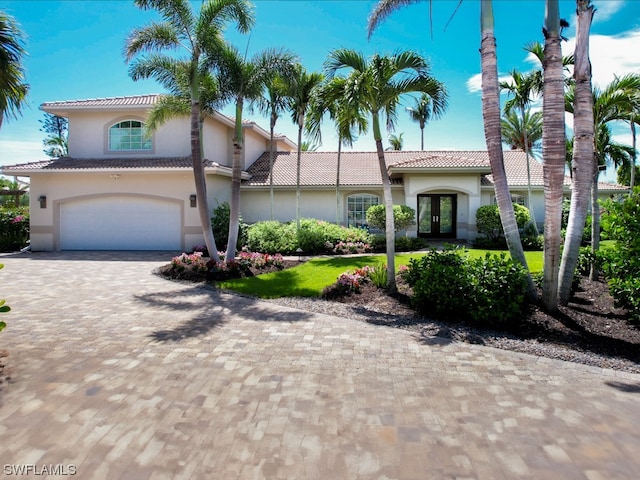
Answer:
(621, 264)
(487, 291)
(378, 243)
(272, 237)
(14, 229)
(378, 275)
(220, 226)
(403, 217)
(489, 223)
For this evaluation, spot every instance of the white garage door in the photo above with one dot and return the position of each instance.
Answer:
(120, 223)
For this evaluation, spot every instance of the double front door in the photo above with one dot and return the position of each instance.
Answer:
(437, 216)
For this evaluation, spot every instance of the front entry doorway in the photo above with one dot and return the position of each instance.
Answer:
(437, 216)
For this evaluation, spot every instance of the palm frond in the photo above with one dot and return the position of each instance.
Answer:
(382, 10)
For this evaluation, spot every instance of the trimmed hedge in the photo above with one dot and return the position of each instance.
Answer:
(14, 229)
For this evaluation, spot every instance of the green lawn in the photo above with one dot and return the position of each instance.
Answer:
(310, 278)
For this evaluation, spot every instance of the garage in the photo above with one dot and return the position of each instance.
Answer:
(120, 223)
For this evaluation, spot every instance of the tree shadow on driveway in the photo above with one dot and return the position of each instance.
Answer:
(212, 309)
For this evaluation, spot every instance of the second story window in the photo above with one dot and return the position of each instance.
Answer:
(128, 135)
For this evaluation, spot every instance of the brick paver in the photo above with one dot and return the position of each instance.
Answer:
(125, 375)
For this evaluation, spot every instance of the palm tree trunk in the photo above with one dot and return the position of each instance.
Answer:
(422, 138)
(272, 128)
(338, 182)
(236, 177)
(298, 166)
(526, 152)
(388, 202)
(493, 135)
(633, 157)
(595, 219)
(200, 179)
(583, 151)
(554, 153)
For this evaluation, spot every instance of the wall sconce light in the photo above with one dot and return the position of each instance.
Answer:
(43, 201)
(192, 198)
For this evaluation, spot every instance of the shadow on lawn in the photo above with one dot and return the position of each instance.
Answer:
(212, 309)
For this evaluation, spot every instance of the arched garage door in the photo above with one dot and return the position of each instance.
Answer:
(120, 223)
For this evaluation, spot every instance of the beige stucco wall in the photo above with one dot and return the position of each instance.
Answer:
(217, 139)
(60, 188)
(255, 204)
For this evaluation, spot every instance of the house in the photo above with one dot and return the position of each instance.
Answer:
(118, 190)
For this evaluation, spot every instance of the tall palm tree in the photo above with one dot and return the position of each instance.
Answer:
(300, 88)
(244, 80)
(521, 87)
(199, 35)
(553, 151)
(273, 103)
(396, 141)
(583, 152)
(376, 86)
(421, 112)
(13, 90)
(330, 98)
(491, 117)
(519, 132)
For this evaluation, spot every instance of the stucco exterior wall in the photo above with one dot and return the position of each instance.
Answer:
(254, 146)
(255, 204)
(60, 188)
(217, 140)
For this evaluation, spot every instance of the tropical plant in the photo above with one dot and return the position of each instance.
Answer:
(4, 308)
(329, 98)
(375, 86)
(491, 117)
(395, 142)
(13, 89)
(553, 151)
(273, 103)
(421, 112)
(244, 80)
(521, 87)
(514, 131)
(57, 129)
(583, 152)
(300, 89)
(199, 35)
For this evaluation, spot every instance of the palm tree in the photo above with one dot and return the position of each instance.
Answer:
(553, 151)
(583, 152)
(376, 86)
(421, 112)
(330, 98)
(395, 141)
(522, 87)
(199, 35)
(273, 103)
(491, 117)
(519, 133)
(13, 90)
(244, 80)
(300, 89)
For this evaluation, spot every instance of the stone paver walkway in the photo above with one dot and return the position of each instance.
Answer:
(124, 375)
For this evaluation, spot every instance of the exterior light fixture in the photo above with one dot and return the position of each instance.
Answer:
(115, 177)
(193, 200)
(43, 201)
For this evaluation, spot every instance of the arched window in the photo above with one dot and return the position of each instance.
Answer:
(357, 206)
(128, 135)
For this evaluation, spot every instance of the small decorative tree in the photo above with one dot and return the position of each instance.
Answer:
(403, 217)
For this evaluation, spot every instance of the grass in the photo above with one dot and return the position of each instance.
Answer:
(310, 278)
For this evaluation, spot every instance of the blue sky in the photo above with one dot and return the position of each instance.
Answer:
(75, 52)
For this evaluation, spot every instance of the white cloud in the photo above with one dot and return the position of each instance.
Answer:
(16, 151)
(605, 9)
(474, 84)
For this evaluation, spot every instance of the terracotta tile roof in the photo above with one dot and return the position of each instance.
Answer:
(135, 100)
(67, 163)
(356, 168)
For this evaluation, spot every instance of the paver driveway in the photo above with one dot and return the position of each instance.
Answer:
(122, 374)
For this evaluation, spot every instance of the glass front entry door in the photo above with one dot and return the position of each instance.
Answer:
(437, 216)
